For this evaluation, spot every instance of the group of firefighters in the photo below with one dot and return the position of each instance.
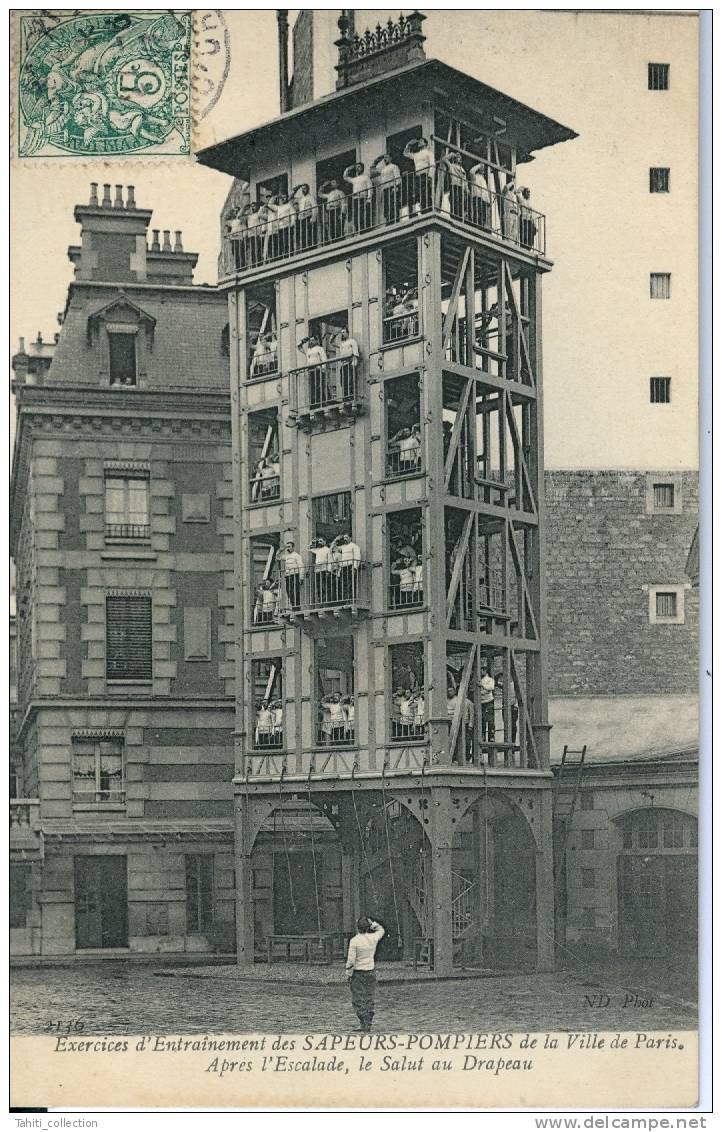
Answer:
(282, 223)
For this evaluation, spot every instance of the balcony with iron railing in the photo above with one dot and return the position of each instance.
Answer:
(127, 531)
(391, 205)
(25, 835)
(403, 461)
(326, 391)
(321, 591)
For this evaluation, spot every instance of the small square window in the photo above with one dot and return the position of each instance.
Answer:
(659, 180)
(588, 878)
(663, 496)
(660, 390)
(660, 285)
(587, 839)
(666, 605)
(658, 76)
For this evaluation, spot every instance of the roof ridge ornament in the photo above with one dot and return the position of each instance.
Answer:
(390, 45)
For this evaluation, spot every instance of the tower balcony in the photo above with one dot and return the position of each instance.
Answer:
(337, 590)
(249, 248)
(326, 393)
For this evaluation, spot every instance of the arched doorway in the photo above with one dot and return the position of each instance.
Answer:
(657, 882)
(494, 887)
(296, 878)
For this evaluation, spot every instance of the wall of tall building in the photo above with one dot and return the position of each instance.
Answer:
(122, 538)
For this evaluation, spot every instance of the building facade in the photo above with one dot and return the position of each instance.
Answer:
(121, 827)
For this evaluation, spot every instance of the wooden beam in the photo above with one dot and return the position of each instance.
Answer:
(461, 700)
(458, 567)
(454, 300)
(521, 576)
(456, 433)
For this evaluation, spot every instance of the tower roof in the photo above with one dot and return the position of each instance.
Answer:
(417, 81)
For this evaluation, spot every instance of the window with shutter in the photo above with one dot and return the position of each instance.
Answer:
(659, 179)
(660, 390)
(658, 76)
(660, 285)
(128, 638)
(666, 604)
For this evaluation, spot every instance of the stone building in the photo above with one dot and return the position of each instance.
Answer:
(121, 836)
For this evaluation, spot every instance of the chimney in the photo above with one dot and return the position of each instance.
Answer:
(155, 246)
(131, 197)
(166, 240)
(178, 245)
(21, 364)
(113, 238)
(282, 18)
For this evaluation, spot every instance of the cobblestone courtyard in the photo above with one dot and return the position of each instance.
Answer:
(126, 998)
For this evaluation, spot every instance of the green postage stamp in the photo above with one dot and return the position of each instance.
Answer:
(103, 84)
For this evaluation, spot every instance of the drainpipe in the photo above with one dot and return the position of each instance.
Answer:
(282, 17)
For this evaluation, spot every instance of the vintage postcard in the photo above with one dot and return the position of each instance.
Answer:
(354, 531)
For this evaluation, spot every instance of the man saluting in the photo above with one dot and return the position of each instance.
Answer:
(360, 963)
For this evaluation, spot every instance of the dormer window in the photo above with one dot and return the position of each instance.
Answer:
(123, 358)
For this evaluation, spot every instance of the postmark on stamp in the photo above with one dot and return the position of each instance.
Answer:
(104, 84)
(211, 59)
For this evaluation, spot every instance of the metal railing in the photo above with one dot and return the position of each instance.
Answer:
(108, 795)
(336, 586)
(264, 489)
(335, 734)
(127, 530)
(403, 731)
(400, 327)
(263, 365)
(406, 595)
(406, 463)
(267, 737)
(335, 384)
(265, 614)
(392, 203)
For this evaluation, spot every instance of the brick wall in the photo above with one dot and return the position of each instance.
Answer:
(603, 549)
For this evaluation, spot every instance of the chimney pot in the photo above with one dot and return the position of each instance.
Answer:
(155, 246)
(166, 240)
(22, 346)
(178, 245)
(106, 196)
(118, 202)
(131, 197)
(94, 194)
